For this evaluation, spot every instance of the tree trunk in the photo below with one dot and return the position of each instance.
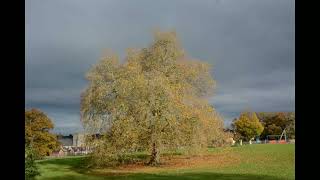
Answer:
(155, 158)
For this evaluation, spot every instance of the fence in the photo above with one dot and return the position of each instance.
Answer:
(291, 141)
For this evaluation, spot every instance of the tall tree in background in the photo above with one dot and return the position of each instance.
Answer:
(275, 124)
(248, 125)
(291, 125)
(155, 101)
(37, 135)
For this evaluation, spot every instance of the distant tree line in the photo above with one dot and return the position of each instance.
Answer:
(275, 123)
(250, 125)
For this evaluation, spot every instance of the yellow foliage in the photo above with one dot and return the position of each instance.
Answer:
(248, 125)
(154, 101)
(37, 135)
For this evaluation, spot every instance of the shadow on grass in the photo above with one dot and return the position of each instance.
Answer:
(204, 175)
(78, 164)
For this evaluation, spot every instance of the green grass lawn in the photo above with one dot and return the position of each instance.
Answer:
(263, 161)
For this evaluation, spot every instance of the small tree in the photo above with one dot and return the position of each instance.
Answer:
(248, 125)
(37, 135)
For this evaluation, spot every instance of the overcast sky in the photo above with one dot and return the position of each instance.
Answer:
(250, 44)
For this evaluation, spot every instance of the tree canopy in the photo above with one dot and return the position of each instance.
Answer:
(37, 135)
(154, 101)
(248, 125)
(275, 123)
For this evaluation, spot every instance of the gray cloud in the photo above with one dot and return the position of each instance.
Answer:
(250, 44)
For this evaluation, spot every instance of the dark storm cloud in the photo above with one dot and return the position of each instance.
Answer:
(250, 44)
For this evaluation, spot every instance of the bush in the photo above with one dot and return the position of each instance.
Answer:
(31, 170)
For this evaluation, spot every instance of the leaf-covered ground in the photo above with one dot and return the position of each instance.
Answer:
(264, 161)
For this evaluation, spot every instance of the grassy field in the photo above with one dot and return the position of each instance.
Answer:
(263, 161)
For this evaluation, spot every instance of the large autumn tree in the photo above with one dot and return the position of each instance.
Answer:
(154, 101)
(37, 135)
(247, 126)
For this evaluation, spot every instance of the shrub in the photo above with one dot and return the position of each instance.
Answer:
(31, 170)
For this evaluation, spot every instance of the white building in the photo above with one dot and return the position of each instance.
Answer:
(78, 140)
